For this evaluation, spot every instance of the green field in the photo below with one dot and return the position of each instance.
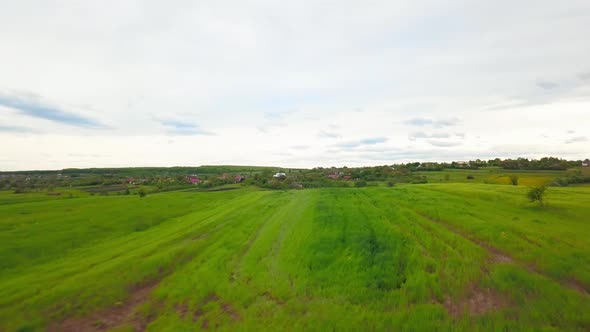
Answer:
(493, 176)
(432, 257)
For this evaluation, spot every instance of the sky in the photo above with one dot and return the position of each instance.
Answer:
(291, 83)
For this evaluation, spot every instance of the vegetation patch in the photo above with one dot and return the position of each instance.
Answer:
(448, 256)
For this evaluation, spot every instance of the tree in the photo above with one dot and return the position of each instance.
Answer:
(360, 183)
(537, 194)
(514, 180)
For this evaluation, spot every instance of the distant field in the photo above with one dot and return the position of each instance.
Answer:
(433, 257)
(493, 176)
(8, 197)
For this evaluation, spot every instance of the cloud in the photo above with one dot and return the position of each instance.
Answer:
(577, 139)
(420, 122)
(264, 130)
(438, 139)
(447, 122)
(15, 129)
(328, 134)
(267, 127)
(440, 135)
(361, 142)
(274, 119)
(300, 147)
(547, 85)
(277, 115)
(33, 105)
(86, 155)
(420, 134)
(516, 104)
(392, 60)
(373, 141)
(443, 143)
(184, 128)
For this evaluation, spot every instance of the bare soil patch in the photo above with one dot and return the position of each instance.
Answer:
(273, 298)
(111, 317)
(577, 285)
(477, 301)
(183, 310)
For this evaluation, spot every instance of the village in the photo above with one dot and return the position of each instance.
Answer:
(163, 179)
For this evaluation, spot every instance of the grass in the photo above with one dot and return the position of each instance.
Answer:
(493, 176)
(434, 257)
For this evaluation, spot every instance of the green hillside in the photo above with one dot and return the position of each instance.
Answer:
(432, 257)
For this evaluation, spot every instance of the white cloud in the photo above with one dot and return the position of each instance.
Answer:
(577, 139)
(264, 77)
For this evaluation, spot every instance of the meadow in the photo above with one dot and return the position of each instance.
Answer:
(428, 257)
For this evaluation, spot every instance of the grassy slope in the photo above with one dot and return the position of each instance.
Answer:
(342, 259)
(493, 176)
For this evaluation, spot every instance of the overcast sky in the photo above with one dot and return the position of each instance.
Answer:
(295, 84)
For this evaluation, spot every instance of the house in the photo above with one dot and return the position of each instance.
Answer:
(193, 179)
(239, 179)
(334, 176)
(280, 175)
(586, 163)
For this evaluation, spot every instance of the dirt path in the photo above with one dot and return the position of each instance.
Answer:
(226, 308)
(497, 256)
(476, 301)
(106, 319)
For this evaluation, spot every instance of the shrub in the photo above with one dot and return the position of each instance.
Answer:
(514, 180)
(360, 183)
(470, 177)
(142, 193)
(567, 180)
(537, 194)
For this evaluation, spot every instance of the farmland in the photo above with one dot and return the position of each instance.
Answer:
(448, 256)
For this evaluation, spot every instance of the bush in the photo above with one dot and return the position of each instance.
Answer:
(142, 193)
(470, 177)
(537, 194)
(514, 180)
(567, 180)
(360, 183)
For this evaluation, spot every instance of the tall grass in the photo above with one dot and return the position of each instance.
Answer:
(372, 258)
